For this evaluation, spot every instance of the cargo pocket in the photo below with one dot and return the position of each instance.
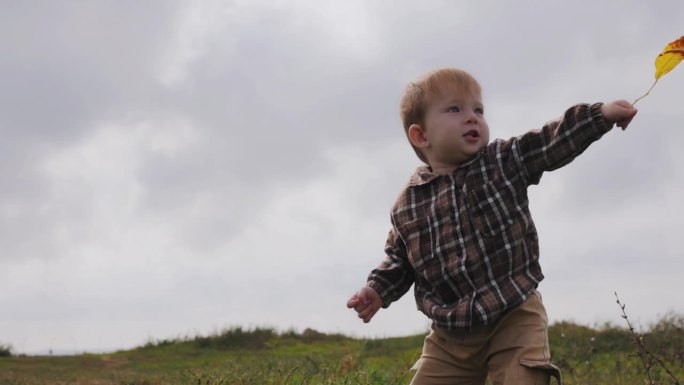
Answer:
(540, 372)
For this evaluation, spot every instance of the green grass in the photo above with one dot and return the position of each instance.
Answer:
(600, 355)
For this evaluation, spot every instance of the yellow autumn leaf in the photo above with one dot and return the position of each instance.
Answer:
(670, 57)
(666, 61)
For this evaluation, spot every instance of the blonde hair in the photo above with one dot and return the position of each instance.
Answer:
(418, 95)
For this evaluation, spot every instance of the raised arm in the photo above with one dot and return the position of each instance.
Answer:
(562, 140)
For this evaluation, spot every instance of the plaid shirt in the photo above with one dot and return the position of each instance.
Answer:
(467, 240)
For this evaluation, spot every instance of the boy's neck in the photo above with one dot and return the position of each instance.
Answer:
(443, 169)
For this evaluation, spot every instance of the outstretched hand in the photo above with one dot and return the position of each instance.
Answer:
(618, 112)
(366, 302)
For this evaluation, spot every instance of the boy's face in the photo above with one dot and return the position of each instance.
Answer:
(455, 128)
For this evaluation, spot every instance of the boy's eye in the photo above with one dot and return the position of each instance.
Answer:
(479, 111)
(453, 109)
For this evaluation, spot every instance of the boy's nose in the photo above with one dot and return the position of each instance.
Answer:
(471, 118)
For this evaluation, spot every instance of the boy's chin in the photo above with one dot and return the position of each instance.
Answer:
(476, 148)
(480, 146)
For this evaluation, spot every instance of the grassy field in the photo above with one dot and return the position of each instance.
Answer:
(601, 355)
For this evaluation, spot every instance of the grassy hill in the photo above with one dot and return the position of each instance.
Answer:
(602, 355)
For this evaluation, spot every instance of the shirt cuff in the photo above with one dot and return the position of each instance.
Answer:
(382, 292)
(601, 124)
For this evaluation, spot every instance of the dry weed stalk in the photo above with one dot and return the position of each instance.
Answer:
(648, 359)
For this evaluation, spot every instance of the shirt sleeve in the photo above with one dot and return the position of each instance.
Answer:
(395, 275)
(559, 141)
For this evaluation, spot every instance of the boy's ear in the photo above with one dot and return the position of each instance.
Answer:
(416, 135)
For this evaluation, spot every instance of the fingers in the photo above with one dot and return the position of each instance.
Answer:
(364, 306)
(358, 303)
(625, 122)
(366, 302)
(624, 103)
(367, 313)
(619, 112)
(353, 301)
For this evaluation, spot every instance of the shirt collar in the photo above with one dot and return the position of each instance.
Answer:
(424, 174)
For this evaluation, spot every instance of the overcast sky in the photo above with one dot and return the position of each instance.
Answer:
(175, 168)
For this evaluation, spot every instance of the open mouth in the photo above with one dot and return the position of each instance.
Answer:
(472, 134)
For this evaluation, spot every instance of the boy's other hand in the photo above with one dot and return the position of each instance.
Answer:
(618, 112)
(366, 302)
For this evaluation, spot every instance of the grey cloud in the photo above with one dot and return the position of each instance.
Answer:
(255, 101)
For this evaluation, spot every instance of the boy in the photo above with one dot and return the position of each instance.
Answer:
(463, 234)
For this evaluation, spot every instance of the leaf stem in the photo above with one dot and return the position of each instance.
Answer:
(647, 92)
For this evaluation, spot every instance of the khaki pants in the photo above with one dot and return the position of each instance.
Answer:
(513, 351)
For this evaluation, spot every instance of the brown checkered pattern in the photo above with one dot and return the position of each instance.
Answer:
(467, 240)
